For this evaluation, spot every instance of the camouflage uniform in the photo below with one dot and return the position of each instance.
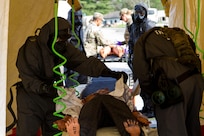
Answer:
(128, 15)
(93, 39)
(127, 32)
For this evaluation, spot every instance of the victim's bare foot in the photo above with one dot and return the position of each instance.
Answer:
(61, 123)
(131, 126)
(72, 126)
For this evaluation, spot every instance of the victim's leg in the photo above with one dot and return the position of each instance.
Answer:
(89, 117)
(73, 127)
(119, 112)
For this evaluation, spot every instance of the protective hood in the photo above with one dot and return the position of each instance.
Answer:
(140, 13)
(49, 29)
(77, 18)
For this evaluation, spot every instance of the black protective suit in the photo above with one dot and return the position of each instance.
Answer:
(139, 27)
(77, 40)
(181, 119)
(35, 62)
(78, 29)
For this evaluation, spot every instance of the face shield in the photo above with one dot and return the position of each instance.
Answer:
(139, 13)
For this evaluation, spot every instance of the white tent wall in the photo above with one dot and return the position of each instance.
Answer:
(4, 10)
(24, 17)
(177, 18)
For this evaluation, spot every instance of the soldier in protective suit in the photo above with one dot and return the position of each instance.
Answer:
(77, 40)
(78, 29)
(35, 62)
(155, 50)
(140, 25)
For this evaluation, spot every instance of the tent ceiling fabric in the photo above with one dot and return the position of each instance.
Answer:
(27, 15)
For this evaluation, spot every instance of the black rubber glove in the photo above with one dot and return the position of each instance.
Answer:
(125, 76)
(114, 74)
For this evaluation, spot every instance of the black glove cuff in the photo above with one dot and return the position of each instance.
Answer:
(114, 74)
(110, 73)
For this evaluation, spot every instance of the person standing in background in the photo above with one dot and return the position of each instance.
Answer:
(95, 40)
(77, 40)
(140, 25)
(126, 16)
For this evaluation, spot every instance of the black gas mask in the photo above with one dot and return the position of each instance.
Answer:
(78, 20)
(139, 14)
(77, 17)
(60, 46)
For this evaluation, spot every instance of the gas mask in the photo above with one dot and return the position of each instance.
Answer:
(77, 17)
(78, 20)
(139, 14)
(60, 46)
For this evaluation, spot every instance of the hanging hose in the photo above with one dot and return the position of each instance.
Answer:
(197, 29)
(56, 100)
(63, 77)
(195, 37)
(71, 77)
(73, 25)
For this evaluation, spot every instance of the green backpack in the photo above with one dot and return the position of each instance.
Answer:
(184, 45)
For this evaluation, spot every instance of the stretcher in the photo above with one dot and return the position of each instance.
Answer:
(112, 58)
